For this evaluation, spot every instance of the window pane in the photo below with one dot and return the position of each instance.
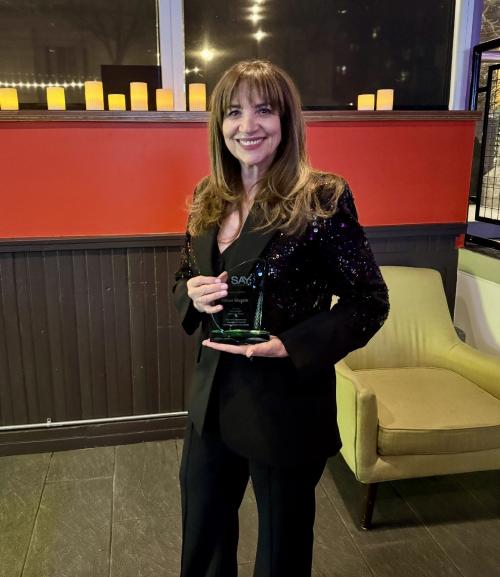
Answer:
(490, 21)
(67, 41)
(334, 49)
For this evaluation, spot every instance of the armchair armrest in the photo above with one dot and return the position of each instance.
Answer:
(480, 368)
(357, 418)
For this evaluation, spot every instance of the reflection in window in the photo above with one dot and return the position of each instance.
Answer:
(334, 49)
(66, 42)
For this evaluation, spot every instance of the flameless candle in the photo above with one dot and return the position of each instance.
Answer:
(197, 96)
(55, 98)
(8, 99)
(366, 101)
(385, 99)
(138, 96)
(164, 99)
(116, 102)
(94, 96)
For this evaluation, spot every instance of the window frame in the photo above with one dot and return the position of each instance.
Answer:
(171, 43)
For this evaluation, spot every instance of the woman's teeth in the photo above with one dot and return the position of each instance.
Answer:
(250, 142)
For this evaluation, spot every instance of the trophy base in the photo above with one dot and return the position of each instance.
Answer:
(239, 336)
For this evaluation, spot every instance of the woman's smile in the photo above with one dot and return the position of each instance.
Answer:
(250, 143)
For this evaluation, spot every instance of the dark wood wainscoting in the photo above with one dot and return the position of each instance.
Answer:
(88, 332)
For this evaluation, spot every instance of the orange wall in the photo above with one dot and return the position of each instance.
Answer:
(91, 179)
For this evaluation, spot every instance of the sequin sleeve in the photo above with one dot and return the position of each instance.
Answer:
(190, 317)
(315, 344)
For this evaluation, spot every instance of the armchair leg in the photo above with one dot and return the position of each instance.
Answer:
(369, 503)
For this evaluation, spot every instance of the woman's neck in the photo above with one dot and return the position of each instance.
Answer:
(250, 176)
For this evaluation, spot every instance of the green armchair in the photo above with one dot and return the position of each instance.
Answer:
(417, 401)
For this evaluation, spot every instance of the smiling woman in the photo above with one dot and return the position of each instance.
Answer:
(263, 203)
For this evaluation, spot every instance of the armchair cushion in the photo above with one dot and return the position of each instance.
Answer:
(427, 410)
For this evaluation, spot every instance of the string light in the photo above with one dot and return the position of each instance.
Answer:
(207, 54)
(259, 35)
(72, 84)
(255, 13)
(255, 18)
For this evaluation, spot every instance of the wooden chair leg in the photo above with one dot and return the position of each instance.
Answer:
(369, 503)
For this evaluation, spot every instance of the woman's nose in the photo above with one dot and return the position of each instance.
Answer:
(247, 123)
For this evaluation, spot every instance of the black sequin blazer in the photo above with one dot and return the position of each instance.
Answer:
(283, 411)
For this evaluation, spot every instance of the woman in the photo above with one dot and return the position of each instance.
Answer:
(267, 410)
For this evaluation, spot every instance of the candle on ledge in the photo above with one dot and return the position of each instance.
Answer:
(116, 102)
(8, 99)
(56, 99)
(164, 99)
(138, 96)
(385, 99)
(94, 96)
(197, 96)
(366, 101)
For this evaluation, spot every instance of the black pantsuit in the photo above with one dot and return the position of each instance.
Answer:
(273, 419)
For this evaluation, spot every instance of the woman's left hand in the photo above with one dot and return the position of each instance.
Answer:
(272, 348)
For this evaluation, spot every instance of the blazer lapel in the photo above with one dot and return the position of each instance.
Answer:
(249, 248)
(202, 249)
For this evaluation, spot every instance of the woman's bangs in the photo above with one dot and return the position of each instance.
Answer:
(261, 88)
(265, 88)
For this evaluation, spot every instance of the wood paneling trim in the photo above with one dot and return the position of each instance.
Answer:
(175, 240)
(36, 244)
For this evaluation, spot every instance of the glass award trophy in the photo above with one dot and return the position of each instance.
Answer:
(240, 321)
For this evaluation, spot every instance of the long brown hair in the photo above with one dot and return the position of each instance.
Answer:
(288, 194)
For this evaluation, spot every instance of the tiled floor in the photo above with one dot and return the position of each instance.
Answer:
(115, 511)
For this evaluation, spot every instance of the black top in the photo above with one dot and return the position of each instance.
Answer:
(220, 259)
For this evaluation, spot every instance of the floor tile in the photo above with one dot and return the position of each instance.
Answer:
(146, 547)
(82, 464)
(72, 532)
(146, 481)
(248, 531)
(335, 553)
(179, 444)
(399, 543)
(21, 483)
(485, 487)
(415, 558)
(433, 527)
(246, 570)
(393, 519)
(467, 531)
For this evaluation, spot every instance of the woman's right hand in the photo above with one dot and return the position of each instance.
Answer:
(205, 290)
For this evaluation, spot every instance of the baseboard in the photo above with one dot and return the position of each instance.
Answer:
(84, 436)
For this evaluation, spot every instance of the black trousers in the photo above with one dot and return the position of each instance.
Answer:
(213, 482)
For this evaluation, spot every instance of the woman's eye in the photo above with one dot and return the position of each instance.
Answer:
(266, 110)
(233, 112)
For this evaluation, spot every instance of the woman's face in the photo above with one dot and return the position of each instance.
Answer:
(251, 130)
